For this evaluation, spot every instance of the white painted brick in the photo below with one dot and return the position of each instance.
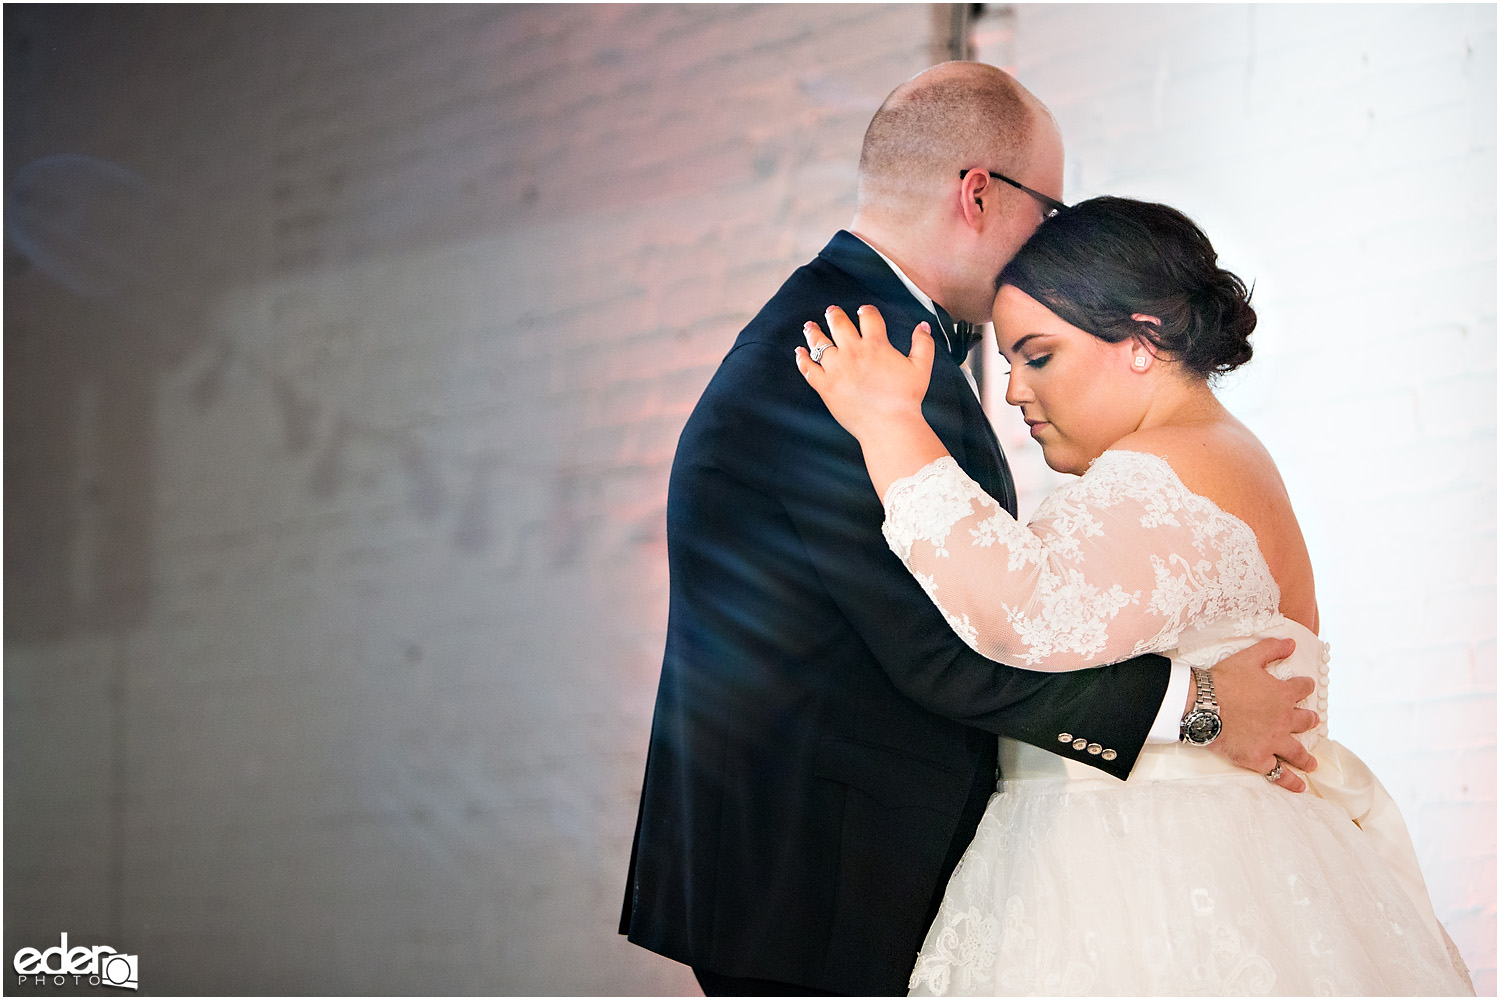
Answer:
(1342, 157)
(385, 712)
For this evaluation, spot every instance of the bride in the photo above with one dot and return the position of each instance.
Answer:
(1178, 537)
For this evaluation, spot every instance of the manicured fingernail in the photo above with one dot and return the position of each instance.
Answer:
(924, 327)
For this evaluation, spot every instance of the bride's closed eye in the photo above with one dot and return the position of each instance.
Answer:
(1038, 362)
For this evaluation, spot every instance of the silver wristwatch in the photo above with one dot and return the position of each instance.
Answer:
(1201, 725)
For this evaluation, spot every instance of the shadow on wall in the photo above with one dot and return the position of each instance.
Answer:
(339, 433)
(106, 297)
(91, 319)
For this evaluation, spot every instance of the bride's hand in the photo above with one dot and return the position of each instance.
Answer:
(868, 385)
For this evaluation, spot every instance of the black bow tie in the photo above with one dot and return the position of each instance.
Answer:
(961, 336)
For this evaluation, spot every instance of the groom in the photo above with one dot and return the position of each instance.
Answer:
(824, 745)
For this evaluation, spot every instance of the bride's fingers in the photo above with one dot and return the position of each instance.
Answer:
(811, 370)
(816, 338)
(841, 328)
(872, 324)
(922, 348)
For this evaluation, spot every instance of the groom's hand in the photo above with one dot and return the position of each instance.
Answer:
(1259, 713)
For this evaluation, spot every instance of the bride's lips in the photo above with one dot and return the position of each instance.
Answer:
(1035, 426)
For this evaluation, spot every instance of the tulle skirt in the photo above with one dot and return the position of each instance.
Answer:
(1218, 884)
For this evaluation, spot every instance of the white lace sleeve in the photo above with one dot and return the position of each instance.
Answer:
(1116, 563)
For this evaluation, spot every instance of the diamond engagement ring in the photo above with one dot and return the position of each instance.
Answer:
(817, 353)
(1274, 773)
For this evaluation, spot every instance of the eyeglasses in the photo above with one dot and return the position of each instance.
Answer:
(1051, 205)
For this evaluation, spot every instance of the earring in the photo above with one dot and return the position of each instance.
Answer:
(1140, 363)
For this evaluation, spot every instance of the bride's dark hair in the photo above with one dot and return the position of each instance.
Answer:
(1101, 260)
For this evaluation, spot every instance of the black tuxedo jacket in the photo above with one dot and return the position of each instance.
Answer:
(823, 745)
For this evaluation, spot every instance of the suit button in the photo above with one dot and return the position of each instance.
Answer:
(1080, 744)
(1109, 755)
(1095, 748)
(1065, 737)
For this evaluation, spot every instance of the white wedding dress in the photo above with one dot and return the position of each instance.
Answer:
(1192, 877)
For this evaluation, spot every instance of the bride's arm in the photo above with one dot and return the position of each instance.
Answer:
(1095, 578)
(1049, 625)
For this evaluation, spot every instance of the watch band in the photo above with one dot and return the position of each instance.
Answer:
(1204, 679)
(1201, 724)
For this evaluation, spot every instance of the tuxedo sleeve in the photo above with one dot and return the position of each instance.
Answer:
(789, 448)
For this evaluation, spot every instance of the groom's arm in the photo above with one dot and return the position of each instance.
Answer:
(786, 445)
(1259, 712)
(1167, 726)
(794, 451)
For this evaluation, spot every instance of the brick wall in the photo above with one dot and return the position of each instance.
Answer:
(1343, 158)
(346, 353)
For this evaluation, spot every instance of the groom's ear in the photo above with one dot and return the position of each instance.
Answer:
(976, 198)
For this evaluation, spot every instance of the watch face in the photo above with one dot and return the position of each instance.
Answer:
(1202, 727)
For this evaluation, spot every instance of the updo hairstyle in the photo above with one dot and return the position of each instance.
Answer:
(1101, 260)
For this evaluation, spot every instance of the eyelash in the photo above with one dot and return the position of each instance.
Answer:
(1039, 362)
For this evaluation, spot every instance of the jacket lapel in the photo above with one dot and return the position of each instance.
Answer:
(978, 451)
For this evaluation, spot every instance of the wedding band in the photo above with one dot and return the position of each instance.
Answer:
(1274, 772)
(817, 352)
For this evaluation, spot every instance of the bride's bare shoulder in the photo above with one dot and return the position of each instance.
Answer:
(1226, 463)
(1221, 460)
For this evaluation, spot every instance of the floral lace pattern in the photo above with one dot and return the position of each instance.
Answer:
(1185, 882)
(1114, 564)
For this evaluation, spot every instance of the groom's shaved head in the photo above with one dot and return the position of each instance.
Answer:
(947, 118)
